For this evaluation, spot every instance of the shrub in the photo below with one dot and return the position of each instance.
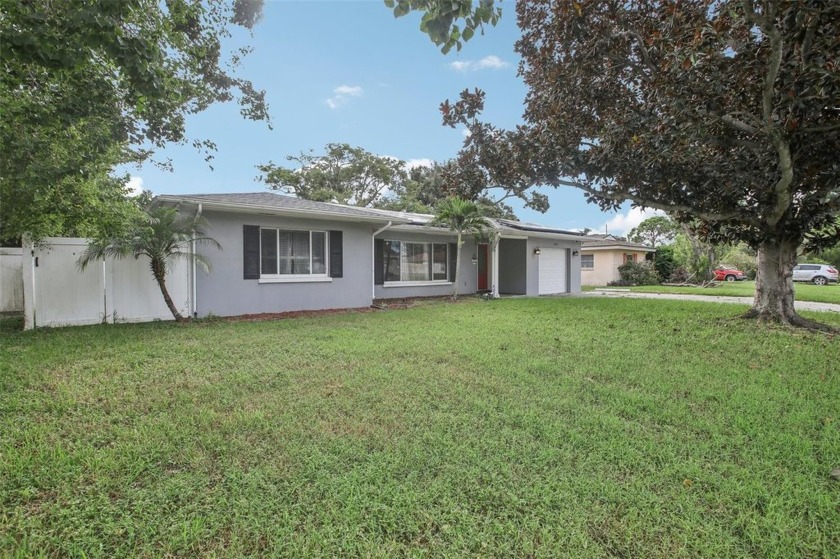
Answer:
(664, 262)
(638, 273)
(679, 275)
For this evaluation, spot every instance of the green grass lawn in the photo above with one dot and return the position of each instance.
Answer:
(563, 427)
(804, 291)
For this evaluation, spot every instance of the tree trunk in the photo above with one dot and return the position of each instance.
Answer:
(457, 267)
(159, 271)
(774, 293)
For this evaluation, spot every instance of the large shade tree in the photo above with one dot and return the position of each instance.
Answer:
(722, 112)
(343, 173)
(654, 232)
(352, 175)
(89, 84)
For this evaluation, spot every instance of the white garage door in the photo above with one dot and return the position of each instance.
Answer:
(552, 271)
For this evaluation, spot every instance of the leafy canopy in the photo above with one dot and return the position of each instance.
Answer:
(451, 23)
(723, 111)
(351, 175)
(654, 231)
(343, 174)
(89, 84)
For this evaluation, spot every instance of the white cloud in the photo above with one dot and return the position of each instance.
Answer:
(491, 62)
(134, 186)
(351, 90)
(621, 224)
(342, 96)
(420, 162)
(466, 132)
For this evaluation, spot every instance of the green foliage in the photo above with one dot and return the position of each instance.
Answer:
(343, 174)
(443, 21)
(697, 256)
(163, 235)
(351, 175)
(741, 257)
(463, 217)
(664, 262)
(637, 273)
(722, 114)
(830, 255)
(90, 84)
(396, 434)
(424, 187)
(654, 231)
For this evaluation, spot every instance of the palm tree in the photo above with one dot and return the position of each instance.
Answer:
(464, 218)
(162, 234)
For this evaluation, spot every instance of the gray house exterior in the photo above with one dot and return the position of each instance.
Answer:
(281, 253)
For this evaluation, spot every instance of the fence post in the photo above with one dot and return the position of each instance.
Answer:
(29, 279)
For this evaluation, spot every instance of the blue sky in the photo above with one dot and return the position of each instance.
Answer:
(349, 72)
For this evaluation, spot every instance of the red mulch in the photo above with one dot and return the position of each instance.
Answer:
(379, 305)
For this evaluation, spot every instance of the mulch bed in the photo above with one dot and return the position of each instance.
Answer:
(378, 306)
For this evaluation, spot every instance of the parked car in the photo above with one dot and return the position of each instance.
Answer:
(729, 274)
(818, 274)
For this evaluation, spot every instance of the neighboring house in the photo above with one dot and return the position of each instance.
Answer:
(281, 253)
(601, 255)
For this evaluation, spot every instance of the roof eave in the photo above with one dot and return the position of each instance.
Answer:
(294, 212)
(619, 247)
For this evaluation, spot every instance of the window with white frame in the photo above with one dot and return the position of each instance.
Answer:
(414, 262)
(286, 253)
(587, 261)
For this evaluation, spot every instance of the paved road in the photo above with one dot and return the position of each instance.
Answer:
(800, 305)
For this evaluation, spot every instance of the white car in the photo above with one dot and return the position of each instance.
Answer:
(818, 274)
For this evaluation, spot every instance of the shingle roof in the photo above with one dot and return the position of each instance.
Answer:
(271, 200)
(598, 243)
(403, 220)
(536, 228)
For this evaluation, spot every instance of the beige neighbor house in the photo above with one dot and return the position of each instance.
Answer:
(601, 255)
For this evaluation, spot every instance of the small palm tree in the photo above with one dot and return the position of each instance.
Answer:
(162, 234)
(464, 218)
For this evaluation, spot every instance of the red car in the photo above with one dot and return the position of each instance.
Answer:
(729, 274)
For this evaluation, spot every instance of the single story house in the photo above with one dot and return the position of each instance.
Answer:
(601, 255)
(281, 253)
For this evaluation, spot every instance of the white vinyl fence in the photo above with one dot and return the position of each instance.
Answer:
(11, 280)
(57, 293)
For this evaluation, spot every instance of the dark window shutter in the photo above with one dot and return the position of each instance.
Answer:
(336, 254)
(251, 251)
(453, 259)
(378, 262)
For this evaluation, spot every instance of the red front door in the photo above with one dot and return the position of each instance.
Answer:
(483, 267)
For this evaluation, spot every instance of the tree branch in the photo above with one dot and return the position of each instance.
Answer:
(816, 129)
(765, 23)
(623, 196)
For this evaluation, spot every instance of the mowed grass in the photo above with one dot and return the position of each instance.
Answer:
(804, 291)
(563, 427)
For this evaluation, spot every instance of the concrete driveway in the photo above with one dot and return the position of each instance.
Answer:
(800, 305)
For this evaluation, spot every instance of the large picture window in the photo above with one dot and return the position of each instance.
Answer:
(415, 262)
(292, 253)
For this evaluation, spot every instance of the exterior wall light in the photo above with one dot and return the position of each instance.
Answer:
(475, 258)
(575, 253)
(537, 251)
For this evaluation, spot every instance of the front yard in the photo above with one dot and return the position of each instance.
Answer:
(804, 291)
(564, 427)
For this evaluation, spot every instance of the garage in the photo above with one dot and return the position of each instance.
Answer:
(553, 271)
